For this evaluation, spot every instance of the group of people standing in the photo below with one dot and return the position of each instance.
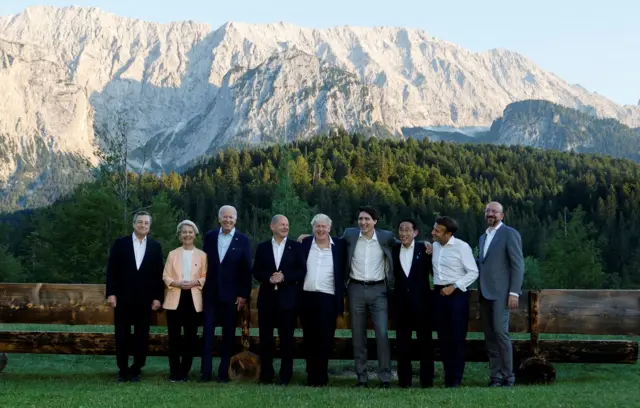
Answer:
(307, 277)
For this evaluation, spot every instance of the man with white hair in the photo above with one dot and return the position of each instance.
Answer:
(322, 298)
(226, 289)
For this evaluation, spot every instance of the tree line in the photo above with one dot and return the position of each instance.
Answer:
(579, 215)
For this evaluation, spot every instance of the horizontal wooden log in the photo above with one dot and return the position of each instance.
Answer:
(597, 312)
(68, 304)
(562, 351)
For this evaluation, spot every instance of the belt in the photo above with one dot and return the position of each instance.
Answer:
(367, 283)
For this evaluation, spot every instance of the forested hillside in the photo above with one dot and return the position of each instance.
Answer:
(579, 215)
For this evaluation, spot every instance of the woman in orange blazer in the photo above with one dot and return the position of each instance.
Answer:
(184, 274)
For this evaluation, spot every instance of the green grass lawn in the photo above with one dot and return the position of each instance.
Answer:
(88, 381)
(32, 380)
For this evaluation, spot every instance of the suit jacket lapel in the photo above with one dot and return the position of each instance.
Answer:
(415, 259)
(178, 266)
(214, 246)
(285, 253)
(131, 253)
(147, 249)
(483, 237)
(233, 245)
(496, 238)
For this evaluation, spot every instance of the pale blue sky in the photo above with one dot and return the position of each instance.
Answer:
(593, 43)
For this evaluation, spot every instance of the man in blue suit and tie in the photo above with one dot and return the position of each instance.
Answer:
(226, 290)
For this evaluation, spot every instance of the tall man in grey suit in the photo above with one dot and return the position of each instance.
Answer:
(369, 277)
(501, 268)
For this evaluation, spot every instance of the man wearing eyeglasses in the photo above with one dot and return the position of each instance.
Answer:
(501, 268)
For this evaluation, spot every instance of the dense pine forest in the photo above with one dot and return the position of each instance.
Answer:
(579, 215)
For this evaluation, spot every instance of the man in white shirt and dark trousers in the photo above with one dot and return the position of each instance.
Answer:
(501, 265)
(454, 270)
(322, 297)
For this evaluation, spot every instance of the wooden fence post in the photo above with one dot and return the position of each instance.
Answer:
(535, 369)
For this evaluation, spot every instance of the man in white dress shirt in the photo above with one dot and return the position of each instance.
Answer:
(322, 297)
(454, 270)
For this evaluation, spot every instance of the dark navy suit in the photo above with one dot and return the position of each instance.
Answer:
(411, 301)
(318, 312)
(278, 307)
(226, 281)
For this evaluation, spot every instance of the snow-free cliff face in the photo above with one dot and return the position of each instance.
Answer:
(184, 90)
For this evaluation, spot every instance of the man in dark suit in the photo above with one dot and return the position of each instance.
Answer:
(501, 267)
(226, 289)
(322, 297)
(279, 266)
(411, 302)
(134, 289)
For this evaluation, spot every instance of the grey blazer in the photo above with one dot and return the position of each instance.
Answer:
(386, 240)
(502, 267)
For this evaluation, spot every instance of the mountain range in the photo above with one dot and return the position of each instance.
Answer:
(71, 76)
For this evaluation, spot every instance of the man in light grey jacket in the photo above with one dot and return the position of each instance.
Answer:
(369, 277)
(501, 267)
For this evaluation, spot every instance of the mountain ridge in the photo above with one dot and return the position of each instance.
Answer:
(183, 89)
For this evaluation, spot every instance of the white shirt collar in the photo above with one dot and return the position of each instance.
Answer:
(374, 237)
(494, 229)
(284, 241)
(452, 241)
(136, 238)
(233, 231)
(314, 241)
(413, 242)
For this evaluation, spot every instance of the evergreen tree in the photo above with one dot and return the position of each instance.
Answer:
(287, 202)
(10, 267)
(572, 259)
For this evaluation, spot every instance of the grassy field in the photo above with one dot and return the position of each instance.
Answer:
(89, 381)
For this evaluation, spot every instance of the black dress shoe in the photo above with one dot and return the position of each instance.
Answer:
(495, 383)
(509, 383)
(361, 385)
(427, 385)
(122, 379)
(204, 378)
(453, 385)
(385, 385)
(135, 378)
(224, 380)
(404, 385)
